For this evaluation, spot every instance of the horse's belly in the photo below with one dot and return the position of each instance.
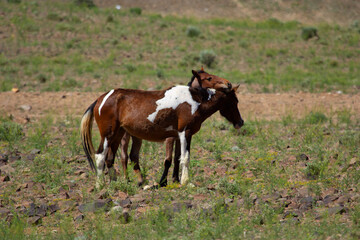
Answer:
(151, 132)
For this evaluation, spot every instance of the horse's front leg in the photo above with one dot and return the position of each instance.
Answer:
(169, 149)
(185, 141)
(177, 156)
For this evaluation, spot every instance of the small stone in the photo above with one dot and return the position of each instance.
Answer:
(235, 149)
(5, 178)
(125, 203)
(122, 195)
(15, 90)
(25, 107)
(34, 220)
(337, 210)
(35, 151)
(53, 208)
(7, 169)
(103, 194)
(79, 218)
(302, 157)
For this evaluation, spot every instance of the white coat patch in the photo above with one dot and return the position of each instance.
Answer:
(173, 98)
(104, 100)
(211, 92)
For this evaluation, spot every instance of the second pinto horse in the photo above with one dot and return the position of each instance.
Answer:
(177, 112)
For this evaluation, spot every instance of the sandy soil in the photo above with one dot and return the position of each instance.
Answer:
(252, 106)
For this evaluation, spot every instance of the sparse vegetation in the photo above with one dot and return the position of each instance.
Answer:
(293, 177)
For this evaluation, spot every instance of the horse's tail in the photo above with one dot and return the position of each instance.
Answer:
(85, 132)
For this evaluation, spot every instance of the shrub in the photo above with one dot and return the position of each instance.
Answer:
(86, 3)
(10, 131)
(309, 32)
(136, 11)
(208, 57)
(192, 31)
(315, 118)
(14, 1)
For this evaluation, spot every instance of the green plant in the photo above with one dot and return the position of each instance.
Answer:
(136, 10)
(208, 57)
(10, 131)
(192, 31)
(86, 3)
(309, 32)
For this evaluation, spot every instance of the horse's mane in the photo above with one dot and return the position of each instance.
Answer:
(193, 77)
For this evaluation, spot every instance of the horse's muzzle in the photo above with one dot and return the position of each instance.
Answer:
(239, 124)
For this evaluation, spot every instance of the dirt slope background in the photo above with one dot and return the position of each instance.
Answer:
(329, 11)
(252, 106)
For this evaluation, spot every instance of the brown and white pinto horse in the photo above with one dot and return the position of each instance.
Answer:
(207, 81)
(177, 112)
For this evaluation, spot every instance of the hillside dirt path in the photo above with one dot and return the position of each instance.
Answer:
(252, 106)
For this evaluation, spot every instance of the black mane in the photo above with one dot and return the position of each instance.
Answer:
(193, 77)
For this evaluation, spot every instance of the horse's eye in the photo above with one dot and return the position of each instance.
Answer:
(209, 78)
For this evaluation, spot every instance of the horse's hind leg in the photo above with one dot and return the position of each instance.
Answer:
(123, 154)
(134, 157)
(100, 157)
(168, 159)
(111, 154)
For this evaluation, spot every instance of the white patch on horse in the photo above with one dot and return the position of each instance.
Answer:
(100, 163)
(184, 159)
(104, 100)
(211, 92)
(172, 99)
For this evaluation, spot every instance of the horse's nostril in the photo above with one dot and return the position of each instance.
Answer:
(229, 85)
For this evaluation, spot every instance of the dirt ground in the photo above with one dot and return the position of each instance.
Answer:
(252, 106)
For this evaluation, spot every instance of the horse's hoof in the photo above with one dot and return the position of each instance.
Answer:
(163, 184)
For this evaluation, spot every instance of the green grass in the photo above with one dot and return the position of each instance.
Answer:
(256, 162)
(79, 49)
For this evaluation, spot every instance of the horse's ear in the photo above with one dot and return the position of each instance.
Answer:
(235, 87)
(197, 80)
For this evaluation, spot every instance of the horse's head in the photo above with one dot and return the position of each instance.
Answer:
(229, 108)
(206, 80)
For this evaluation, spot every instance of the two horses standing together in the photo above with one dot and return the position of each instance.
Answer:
(172, 115)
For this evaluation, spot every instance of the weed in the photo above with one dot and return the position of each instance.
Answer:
(136, 11)
(315, 118)
(192, 31)
(208, 57)
(10, 131)
(309, 32)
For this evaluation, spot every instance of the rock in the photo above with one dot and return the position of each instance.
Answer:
(53, 208)
(122, 195)
(302, 157)
(25, 107)
(34, 210)
(15, 90)
(306, 203)
(5, 178)
(228, 200)
(7, 169)
(103, 194)
(126, 203)
(235, 149)
(35, 151)
(67, 205)
(30, 157)
(4, 213)
(34, 220)
(337, 210)
(103, 204)
(137, 198)
(178, 206)
(78, 218)
(329, 199)
(116, 210)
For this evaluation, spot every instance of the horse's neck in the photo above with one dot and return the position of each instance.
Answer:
(208, 108)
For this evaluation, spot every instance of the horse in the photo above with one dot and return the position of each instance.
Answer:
(207, 81)
(176, 112)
